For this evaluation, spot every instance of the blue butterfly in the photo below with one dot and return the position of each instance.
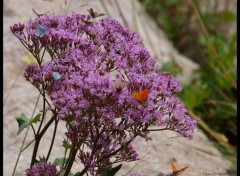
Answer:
(56, 76)
(40, 31)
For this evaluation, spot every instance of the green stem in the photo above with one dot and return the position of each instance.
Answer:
(65, 153)
(28, 145)
(71, 160)
(72, 155)
(44, 107)
(38, 138)
(53, 138)
(24, 138)
(35, 150)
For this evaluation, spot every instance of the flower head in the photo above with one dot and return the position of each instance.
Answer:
(101, 65)
(42, 169)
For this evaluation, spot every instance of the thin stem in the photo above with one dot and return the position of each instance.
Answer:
(161, 142)
(83, 171)
(72, 155)
(219, 103)
(223, 94)
(15, 81)
(33, 130)
(65, 153)
(21, 149)
(47, 125)
(44, 107)
(43, 55)
(53, 138)
(162, 129)
(28, 145)
(45, 100)
(71, 160)
(35, 150)
(38, 138)
(69, 156)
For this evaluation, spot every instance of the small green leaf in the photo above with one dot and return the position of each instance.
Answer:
(23, 122)
(66, 144)
(77, 174)
(60, 161)
(110, 172)
(36, 119)
(114, 170)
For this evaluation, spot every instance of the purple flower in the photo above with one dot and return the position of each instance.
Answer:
(91, 59)
(42, 169)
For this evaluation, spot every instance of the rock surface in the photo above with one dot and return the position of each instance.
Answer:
(19, 96)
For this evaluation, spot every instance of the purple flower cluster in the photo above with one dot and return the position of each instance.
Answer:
(42, 169)
(102, 64)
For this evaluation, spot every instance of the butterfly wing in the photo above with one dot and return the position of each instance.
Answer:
(140, 96)
(180, 170)
(91, 12)
(136, 96)
(173, 167)
(95, 14)
(40, 31)
(87, 22)
(143, 95)
(56, 75)
(98, 15)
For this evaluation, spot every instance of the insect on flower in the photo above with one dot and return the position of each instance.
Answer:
(140, 96)
(95, 14)
(175, 170)
(38, 14)
(56, 76)
(40, 31)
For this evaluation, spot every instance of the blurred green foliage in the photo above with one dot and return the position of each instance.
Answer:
(212, 96)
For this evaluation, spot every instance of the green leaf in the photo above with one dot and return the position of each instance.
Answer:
(23, 122)
(36, 119)
(60, 161)
(77, 174)
(172, 67)
(110, 172)
(66, 144)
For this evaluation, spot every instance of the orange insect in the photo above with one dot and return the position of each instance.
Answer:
(175, 171)
(141, 96)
